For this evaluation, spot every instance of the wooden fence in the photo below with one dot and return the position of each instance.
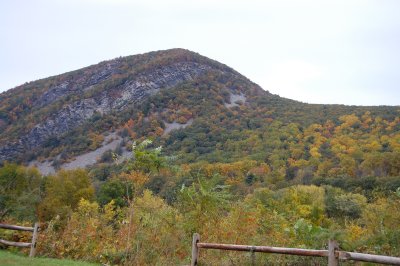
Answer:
(32, 245)
(333, 253)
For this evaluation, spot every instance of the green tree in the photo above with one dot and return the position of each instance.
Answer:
(203, 202)
(145, 160)
(63, 192)
(114, 189)
(19, 191)
(340, 204)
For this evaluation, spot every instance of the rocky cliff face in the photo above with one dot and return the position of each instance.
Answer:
(87, 79)
(132, 91)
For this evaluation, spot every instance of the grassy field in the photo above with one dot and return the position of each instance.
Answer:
(11, 259)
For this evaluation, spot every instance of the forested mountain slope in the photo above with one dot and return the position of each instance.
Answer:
(148, 95)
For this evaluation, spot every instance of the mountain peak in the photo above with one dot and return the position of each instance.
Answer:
(37, 111)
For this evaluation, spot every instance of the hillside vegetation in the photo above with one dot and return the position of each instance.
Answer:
(244, 167)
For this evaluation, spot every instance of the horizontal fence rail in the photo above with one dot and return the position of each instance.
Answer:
(345, 255)
(32, 245)
(15, 244)
(16, 227)
(266, 249)
(333, 254)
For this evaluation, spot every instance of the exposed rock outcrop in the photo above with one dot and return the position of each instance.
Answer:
(85, 82)
(132, 91)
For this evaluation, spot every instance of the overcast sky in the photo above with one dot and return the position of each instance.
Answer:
(339, 51)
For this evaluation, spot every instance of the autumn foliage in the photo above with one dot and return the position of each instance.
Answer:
(133, 218)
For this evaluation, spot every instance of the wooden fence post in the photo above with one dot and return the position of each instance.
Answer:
(333, 260)
(34, 238)
(195, 249)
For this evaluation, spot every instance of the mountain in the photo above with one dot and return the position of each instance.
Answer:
(226, 159)
(212, 108)
(32, 113)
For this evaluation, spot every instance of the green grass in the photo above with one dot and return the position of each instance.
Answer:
(11, 259)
